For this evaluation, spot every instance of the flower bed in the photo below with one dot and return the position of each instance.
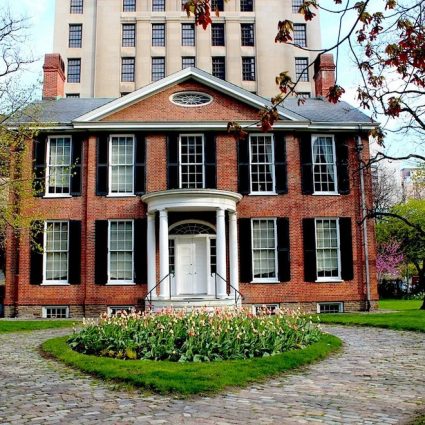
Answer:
(197, 336)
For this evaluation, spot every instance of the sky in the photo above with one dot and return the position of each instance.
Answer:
(41, 23)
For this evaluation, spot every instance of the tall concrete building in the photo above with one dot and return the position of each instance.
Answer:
(113, 47)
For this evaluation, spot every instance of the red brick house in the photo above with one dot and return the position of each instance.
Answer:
(146, 200)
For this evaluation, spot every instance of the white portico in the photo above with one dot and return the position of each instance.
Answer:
(192, 253)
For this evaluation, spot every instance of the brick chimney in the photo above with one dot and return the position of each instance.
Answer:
(324, 73)
(54, 76)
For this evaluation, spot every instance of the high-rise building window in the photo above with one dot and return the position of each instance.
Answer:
(76, 6)
(158, 68)
(247, 34)
(129, 5)
(158, 5)
(158, 34)
(248, 69)
(188, 34)
(74, 70)
(247, 5)
(300, 35)
(128, 35)
(217, 34)
(296, 4)
(301, 69)
(75, 35)
(188, 61)
(127, 69)
(217, 5)
(219, 67)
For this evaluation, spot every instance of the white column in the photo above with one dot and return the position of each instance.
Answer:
(233, 252)
(221, 254)
(164, 289)
(151, 253)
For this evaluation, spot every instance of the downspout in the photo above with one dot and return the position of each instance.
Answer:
(359, 149)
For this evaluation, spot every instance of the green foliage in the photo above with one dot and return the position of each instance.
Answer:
(8, 326)
(191, 378)
(198, 336)
(401, 305)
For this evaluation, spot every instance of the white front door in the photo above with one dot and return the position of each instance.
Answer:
(191, 265)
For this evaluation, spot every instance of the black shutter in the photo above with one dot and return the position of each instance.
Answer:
(172, 161)
(101, 252)
(139, 165)
(140, 251)
(36, 260)
(306, 164)
(283, 249)
(39, 162)
(346, 247)
(74, 252)
(76, 164)
(102, 165)
(210, 161)
(309, 240)
(245, 254)
(342, 165)
(281, 175)
(243, 167)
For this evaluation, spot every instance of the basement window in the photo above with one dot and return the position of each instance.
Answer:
(265, 309)
(113, 310)
(55, 312)
(330, 307)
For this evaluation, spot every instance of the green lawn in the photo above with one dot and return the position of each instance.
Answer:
(33, 325)
(407, 316)
(186, 379)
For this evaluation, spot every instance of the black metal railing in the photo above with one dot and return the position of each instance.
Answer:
(238, 294)
(148, 297)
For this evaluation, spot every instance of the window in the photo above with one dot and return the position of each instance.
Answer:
(75, 95)
(128, 35)
(55, 252)
(217, 5)
(76, 6)
(327, 249)
(114, 310)
(120, 253)
(121, 152)
(158, 34)
(217, 34)
(304, 94)
(58, 173)
(296, 4)
(324, 167)
(248, 69)
(158, 68)
(75, 35)
(219, 67)
(330, 307)
(188, 61)
(300, 36)
(301, 69)
(158, 5)
(127, 69)
(129, 5)
(247, 5)
(264, 258)
(191, 155)
(188, 34)
(55, 312)
(262, 163)
(74, 70)
(265, 309)
(247, 34)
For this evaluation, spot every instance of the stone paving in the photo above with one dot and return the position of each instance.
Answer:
(378, 378)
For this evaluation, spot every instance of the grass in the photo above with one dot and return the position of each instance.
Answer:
(406, 316)
(8, 326)
(185, 379)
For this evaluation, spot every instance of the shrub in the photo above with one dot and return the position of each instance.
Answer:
(195, 336)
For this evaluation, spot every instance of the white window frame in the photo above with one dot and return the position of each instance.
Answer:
(340, 306)
(180, 156)
(47, 161)
(266, 192)
(329, 278)
(124, 281)
(45, 307)
(46, 282)
(314, 137)
(265, 279)
(110, 165)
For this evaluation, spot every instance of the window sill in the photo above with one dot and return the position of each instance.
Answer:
(55, 283)
(52, 196)
(265, 281)
(326, 194)
(338, 280)
(121, 283)
(121, 195)
(263, 194)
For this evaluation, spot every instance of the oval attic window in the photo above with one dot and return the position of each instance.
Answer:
(191, 98)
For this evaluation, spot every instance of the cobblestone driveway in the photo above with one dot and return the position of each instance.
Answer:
(377, 379)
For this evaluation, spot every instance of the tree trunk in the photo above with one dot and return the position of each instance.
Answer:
(422, 282)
